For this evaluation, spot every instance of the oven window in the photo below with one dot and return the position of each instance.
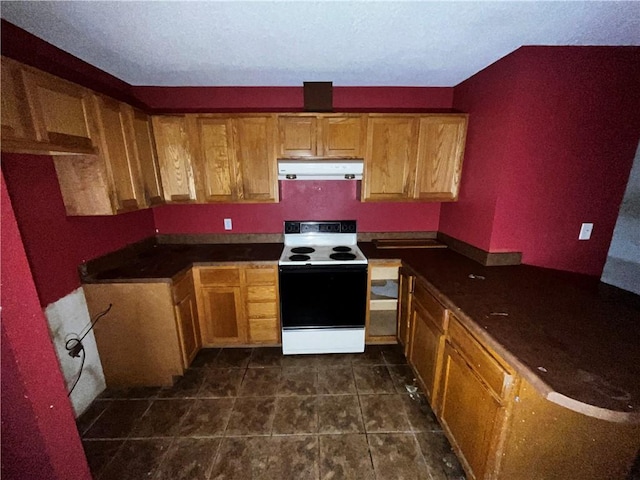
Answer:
(323, 296)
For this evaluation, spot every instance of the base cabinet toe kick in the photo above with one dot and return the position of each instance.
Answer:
(499, 424)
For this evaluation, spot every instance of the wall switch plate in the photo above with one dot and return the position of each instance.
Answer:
(227, 224)
(585, 231)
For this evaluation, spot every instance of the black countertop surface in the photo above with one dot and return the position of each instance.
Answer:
(565, 331)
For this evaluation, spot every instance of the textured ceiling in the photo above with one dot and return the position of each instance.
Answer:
(285, 43)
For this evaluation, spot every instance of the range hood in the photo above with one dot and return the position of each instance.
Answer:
(337, 169)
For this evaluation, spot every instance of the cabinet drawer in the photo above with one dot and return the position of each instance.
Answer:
(485, 365)
(384, 273)
(262, 293)
(430, 305)
(264, 330)
(262, 309)
(265, 275)
(219, 276)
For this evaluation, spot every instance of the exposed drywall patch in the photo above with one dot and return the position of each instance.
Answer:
(67, 318)
(623, 260)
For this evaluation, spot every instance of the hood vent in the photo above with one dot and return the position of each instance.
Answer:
(318, 96)
(320, 169)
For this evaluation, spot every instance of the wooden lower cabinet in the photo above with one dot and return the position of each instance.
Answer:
(186, 309)
(405, 294)
(238, 305)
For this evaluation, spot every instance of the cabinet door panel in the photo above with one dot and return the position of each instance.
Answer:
(264, 331)
(187, 317)
(216, 161)
(254, 141)
(298, 136)
(147, 158)
(390, 158)
(426, 344)
(343, 136)
(175, 158)
(62, 112)
(468, 412)
(16, 120)
(442, 140)
(222, 320)
(118, 150)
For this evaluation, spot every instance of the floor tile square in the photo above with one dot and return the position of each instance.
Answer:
(372, 356)
(373, 379)
(441, 462)
(394, 355)
(205, 358)
(208, 417)
(162, 418)
(298, 381)
(419, 413)
(252, 416)
(232, 357)
(189, 459)
(306, 361)
(384, 413)
(339, 414)
(144, 393)
(90, 415)
(136, 459)
(118, 419)
(396, 456)
(295, 415)
(401, 376)
(260, 382)
(336, 380)
(345, 457)
(266, 357)
(187, 386)
(221, 382)
(99, 453)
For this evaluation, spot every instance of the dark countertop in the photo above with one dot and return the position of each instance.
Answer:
(571, 336)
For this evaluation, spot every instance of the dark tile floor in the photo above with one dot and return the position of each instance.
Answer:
(256, 414)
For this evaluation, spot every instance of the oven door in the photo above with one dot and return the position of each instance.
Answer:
(323, 296)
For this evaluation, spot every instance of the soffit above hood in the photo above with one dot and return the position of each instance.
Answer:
(337, 169)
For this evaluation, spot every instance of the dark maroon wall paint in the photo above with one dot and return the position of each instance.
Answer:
(41, 422)
(57, 244)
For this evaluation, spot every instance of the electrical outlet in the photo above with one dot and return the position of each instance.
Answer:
(585, 231)
(227, 224)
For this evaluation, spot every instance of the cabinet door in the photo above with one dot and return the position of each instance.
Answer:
(216, 159)
(147, 158)
(390, 158)
(404, 311)
(62, 112)
(255, 152)
(442, 140)
(298, 136)
(16, 120)
(188, 329)
(117, 149)
(175, 158)
(222, 320)
(469, 412)
(343, 136)
(426, 345)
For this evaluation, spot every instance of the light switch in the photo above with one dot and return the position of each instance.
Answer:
(227, 224)
(585, 231)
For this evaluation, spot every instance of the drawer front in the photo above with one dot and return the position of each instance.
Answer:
(262, 309)
(266, 275)
(263, 293)
(437, 312)
(482, 362)
(384, 273)
(264, 330)
(219, 276)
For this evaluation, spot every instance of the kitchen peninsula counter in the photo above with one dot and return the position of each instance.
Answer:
(573, 338)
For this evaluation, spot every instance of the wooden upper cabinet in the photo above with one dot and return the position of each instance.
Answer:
(298, 136)
(147, 158)
(16, 119)
(442, 141)
(255, 154)
(321, 136)
(390, 158)
(118, 149)
(62, 112)
(216, 159)
(175, 158)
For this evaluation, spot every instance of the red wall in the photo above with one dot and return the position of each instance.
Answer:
(308, 200)
(57, 244)
(552, 136)
(39, 436)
